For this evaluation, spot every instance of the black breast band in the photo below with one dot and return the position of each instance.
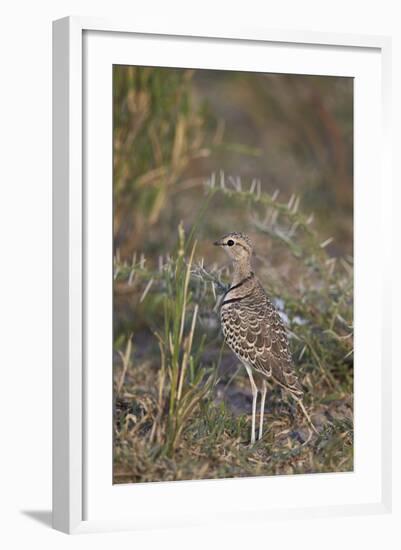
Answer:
(239, 284)
(232, 300)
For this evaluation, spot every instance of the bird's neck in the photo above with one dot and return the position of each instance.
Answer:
(242, 270)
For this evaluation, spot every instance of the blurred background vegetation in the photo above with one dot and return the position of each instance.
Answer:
(173, 127)
(276, 152)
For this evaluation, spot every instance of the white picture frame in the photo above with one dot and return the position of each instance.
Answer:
(75, 479)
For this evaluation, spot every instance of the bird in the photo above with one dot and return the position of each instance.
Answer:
(254, 330)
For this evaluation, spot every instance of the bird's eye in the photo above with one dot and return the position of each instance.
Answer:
(230, 242)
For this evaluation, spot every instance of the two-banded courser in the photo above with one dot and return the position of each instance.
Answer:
(254, 330)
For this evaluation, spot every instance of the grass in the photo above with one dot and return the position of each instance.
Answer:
(179, 361)
(181, 404)
(172, 127)
(159, 130)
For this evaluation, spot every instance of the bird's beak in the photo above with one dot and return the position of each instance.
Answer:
(217, 243)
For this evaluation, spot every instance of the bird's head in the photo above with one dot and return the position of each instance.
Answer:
(237, 245)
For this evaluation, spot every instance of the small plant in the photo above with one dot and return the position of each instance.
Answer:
(180, 360)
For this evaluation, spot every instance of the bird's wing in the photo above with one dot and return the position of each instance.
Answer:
(259, 328)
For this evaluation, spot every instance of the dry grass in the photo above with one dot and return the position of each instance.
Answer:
(182, 407)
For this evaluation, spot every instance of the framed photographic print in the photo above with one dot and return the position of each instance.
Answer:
(220, 339)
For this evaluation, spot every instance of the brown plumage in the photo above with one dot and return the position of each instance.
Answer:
(254, 331)
(253, 328)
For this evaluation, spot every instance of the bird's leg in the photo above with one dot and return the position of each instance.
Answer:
(254, 396)
(262, 408)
